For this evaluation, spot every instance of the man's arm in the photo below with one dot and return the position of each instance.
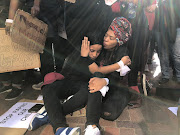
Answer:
(14, 4)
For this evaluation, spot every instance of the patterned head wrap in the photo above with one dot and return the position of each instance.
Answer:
(122, 29)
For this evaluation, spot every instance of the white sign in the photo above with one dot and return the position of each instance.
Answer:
(17, 116)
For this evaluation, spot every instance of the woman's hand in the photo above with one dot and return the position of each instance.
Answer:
(85, 47)
(95, 84)
(126, 60)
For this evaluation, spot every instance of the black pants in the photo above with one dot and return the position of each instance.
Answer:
(15, 77)
(137, 47)
(52, 94)
(109, 107)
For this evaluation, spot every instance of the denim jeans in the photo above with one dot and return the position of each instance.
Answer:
(167, 50)
(176, 55)
(164, 51)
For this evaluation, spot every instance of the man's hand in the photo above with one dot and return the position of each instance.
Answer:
(95, 84)
(35, 10)
(126, 60)
(85, 47)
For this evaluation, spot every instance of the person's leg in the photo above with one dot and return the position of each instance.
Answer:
(163, 52)
(176, 55)
(52, 94)
(17, 78)
(5, 79)
(115, 102)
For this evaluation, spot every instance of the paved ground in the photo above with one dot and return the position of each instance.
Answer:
(152, 118)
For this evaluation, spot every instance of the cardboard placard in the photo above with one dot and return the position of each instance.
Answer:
(14, 57)
(28, 31)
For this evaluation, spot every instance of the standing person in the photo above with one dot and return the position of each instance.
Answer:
(12, 81)
(165, 30)
(117, 98)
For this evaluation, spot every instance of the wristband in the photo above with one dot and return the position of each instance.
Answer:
(120, 63)
(107, 80)
(9, 21)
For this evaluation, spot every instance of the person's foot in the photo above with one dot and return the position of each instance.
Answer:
(14, 93)
(4, 89)
(40, 119)
(163, 81)
(68, 131)
(37, 86)
(92, 130)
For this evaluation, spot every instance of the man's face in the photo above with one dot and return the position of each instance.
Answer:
(109, 40)
(94, 51)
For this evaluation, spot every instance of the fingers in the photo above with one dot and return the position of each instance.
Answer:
(91, 80)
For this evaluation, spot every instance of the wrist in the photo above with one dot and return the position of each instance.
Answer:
(9, 21)
(107, 80)
(120, 63)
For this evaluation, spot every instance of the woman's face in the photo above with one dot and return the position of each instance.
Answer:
(95, 51)
(109, 40)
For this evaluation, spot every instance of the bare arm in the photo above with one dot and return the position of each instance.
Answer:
(36, 8)
(14, 4)
(110, 68)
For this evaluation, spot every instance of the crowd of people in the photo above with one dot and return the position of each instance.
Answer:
(95, 50)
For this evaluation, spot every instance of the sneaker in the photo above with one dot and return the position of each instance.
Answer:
(14, 94)
(163, 81)
(37, 86)
(92, 130)
(4, 89)
(40, 119)
(68, 131)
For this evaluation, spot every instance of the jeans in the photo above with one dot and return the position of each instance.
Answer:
(176, 55)
(164, 51)
(53, 93)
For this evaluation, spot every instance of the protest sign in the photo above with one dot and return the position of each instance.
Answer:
(16, 120)
(28, 31)
(14, 57)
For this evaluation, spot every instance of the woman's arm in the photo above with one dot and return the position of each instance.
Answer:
(110, 68)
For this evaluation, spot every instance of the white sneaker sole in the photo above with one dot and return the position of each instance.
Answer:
(8, 90)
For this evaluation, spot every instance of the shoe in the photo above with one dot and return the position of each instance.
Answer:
(4, 89)
(37, 86)
(68, 131)
(40, 119)
(14, 94)
(92, 130)
(163, 81)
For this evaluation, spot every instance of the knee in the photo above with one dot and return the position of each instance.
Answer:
(110, 116)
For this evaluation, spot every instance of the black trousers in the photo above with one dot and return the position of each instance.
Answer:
(137, 47)
(62, 89)
(109, 107)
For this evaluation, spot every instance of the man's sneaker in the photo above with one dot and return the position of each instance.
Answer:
(4, 89)
(14, 94)
(92, 130)
(40, 119)
(37, 86)
(68, 131)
